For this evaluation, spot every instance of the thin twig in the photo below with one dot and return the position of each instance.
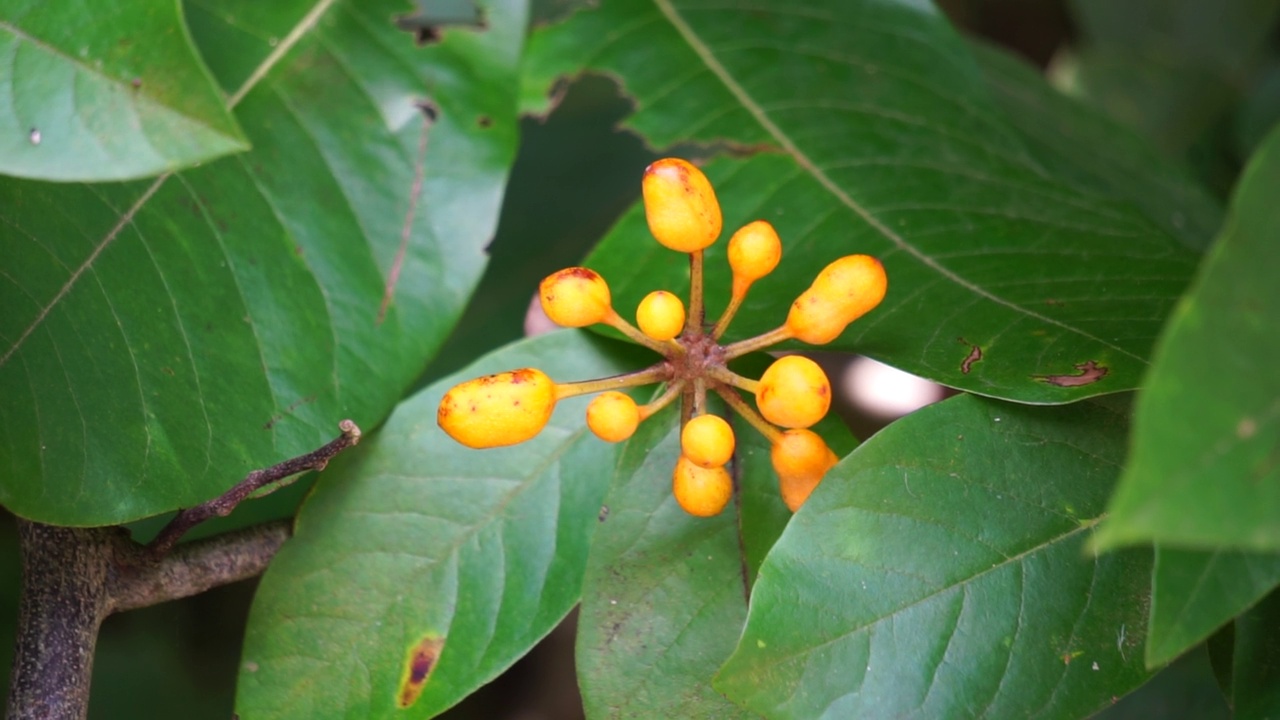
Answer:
(226, 502)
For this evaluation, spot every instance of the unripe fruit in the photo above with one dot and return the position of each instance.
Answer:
(754, 251)
(702, 492)
(575, 297)
(844, 291)
(497, 410)
(707, 441)
(660, 315)
(613, 416)
(801, 458)
(680, 205)
(794, 392)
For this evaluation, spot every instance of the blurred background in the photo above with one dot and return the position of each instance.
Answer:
(1201, 78)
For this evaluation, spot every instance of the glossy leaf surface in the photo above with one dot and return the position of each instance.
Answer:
(162, 338)
(1204, 470)
(665, 593)
(942, 573)
(109, 90)
(1011, 272)
(412, 537)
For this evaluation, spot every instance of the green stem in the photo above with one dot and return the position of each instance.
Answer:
(729, 377)
(722, 324)
(748, 413)
(620, 323)
(651, 408)
(654, 373)
(759, 342)
(697, 310)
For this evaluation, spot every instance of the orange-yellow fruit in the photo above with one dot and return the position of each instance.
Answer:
(702, 492)
(801, 458)
(754, 251)
(794, 392)
(660, 315)
(575, 297)
(613, 416)
(497, 410)
(680, 205)
(707, 441)
(844, 291)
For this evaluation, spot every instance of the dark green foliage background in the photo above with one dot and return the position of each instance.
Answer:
(1171, 101)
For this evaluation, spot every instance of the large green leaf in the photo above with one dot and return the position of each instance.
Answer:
(1194, 592)
(942, 574)
(870, 128)
(1205, 469)
(413, 537)
(105, 91)
(160, 339)
(665, 594)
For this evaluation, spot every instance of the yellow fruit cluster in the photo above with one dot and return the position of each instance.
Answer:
(791, 396)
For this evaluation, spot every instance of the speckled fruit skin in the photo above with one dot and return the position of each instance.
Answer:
(613, 416)
(575, 297)
(707, 441)
(680, 205)
(702, 492)
(844, 291)
(794, 392)
(497, 410)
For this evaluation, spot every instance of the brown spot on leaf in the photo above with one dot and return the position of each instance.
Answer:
(1090, 372)
(484, 121)
(419, 663)
(975, 355)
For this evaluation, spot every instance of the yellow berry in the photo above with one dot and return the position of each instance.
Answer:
(497, 410)
(794, 392)
(575, 297)
(754, 251)
(613, 416)
(707, 440)
(680, 205)
(660, 315)
(702, 492)
(844, 291)
(801, 458)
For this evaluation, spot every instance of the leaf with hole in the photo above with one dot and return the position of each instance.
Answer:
(162, 338)
(879, 134)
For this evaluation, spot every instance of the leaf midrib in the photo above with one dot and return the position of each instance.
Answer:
(789, 146)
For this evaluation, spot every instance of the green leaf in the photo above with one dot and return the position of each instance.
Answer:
(1194, 592)
(1204, 469)
(412, 536)
(111, 91)
(1256, 676)
(939, 572)
(664, 597)
(161, 339)
(1098, 153)
(878, 134)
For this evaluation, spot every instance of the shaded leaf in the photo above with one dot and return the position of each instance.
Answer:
(1206, 450)
(105, 91)
(878, 134)
(939, 572)
(1194, 592)
(664, 596)
(1169, 68)
(412, 537)
(1256, 674)
(160, 339)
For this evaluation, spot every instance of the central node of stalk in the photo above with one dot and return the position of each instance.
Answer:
(701, 352)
